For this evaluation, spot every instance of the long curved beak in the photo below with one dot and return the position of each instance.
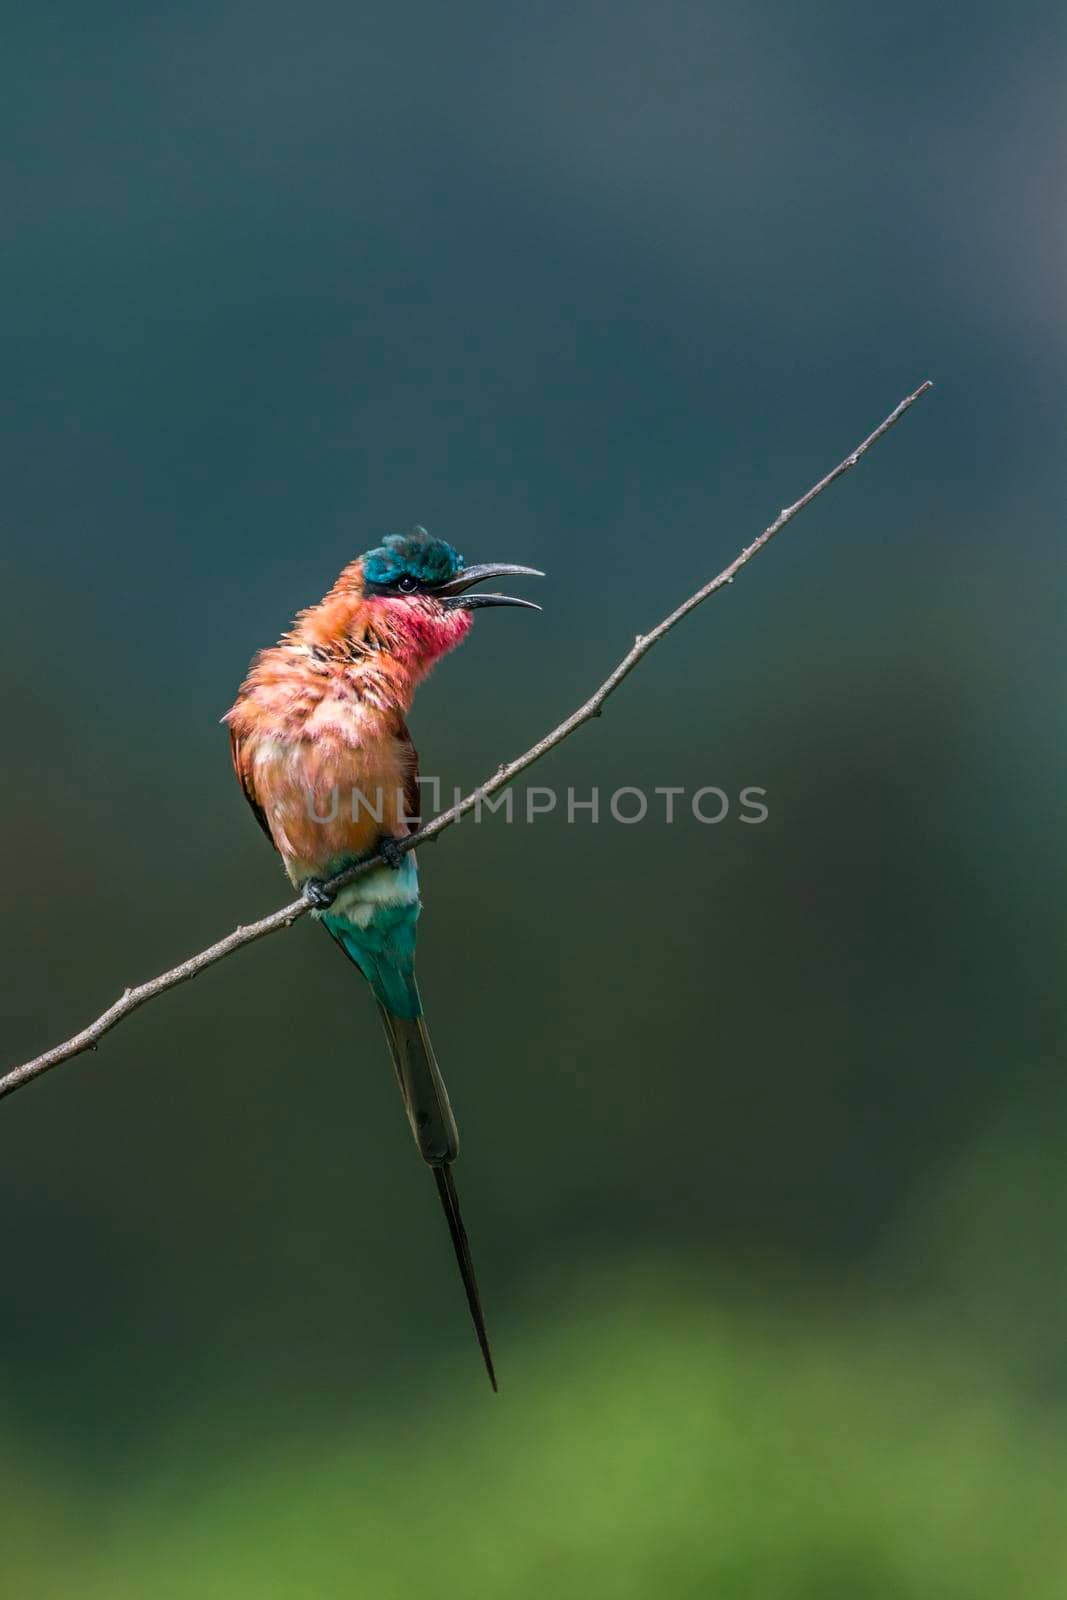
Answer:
(453, 594)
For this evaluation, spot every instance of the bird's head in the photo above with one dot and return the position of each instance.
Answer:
(420, 588)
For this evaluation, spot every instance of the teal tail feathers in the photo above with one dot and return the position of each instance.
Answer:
(430, 1115)
(385, 954)
(446, 1188)
(422, 1087)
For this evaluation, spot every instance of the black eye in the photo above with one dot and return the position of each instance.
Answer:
(406, 583)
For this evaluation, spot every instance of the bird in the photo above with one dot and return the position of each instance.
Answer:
(321, 749)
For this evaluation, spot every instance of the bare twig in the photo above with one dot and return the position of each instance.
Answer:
(287, 915)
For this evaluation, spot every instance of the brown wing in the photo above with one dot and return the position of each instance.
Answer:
(243, 768)
(412, 792)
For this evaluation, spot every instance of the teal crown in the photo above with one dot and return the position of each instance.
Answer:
(415, 554)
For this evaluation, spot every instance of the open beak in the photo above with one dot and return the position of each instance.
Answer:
(453, 594)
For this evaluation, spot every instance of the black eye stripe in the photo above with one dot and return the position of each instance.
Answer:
(404, 583)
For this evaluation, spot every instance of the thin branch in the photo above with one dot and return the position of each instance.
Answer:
(133, 998)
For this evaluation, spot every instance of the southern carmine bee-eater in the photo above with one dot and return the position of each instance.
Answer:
(322, 751)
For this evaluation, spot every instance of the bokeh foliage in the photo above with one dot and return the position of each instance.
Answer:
(710, 1452)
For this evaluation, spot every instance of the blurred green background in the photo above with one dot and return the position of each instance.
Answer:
(764, 1126)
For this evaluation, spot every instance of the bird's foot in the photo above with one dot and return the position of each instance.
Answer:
(391, 853)
(316, 893)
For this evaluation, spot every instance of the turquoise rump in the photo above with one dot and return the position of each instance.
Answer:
(381, 941)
